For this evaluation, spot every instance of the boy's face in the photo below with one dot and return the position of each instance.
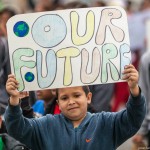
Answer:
(73, 102)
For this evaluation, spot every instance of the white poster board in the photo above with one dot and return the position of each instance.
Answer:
(68, 47)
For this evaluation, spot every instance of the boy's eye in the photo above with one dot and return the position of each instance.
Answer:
(64, 98)
(77, 95)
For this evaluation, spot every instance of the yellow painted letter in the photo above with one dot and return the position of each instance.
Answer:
(90, 24)
(68, 53)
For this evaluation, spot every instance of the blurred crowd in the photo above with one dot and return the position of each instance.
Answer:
(39, 103)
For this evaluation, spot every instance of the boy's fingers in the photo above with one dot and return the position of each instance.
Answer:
(12, 84)
(129, 70)
(129, 76)
(13, 88)
(11, 76)
(129, 66)
(12, 80)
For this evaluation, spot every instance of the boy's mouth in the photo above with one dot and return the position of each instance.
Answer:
(72, 108)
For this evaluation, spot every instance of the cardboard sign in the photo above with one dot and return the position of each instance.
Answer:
(68, 47)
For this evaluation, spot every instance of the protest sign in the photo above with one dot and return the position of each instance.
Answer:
(68, 47)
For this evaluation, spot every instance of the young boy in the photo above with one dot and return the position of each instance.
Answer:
(74, 128)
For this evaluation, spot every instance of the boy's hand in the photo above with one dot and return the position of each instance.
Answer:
(11, 87)
(130, 74)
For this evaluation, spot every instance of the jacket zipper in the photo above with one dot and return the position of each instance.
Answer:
(76, 139)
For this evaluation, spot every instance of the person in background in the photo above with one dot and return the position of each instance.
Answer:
(47, 5)
(46, 103)
(41, 6)
(75, 4)
(97, 3)
(144, 82)
(5, 14)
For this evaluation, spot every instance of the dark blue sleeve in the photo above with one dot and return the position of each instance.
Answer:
(128, 121)
(18, 126)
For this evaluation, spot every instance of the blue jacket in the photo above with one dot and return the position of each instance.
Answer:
(100, 131)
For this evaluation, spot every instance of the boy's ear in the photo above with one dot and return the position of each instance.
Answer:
(89, 97)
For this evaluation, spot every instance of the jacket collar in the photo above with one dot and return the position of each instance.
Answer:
(83, 123)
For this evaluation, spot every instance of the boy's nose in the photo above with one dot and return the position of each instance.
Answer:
(71, 101)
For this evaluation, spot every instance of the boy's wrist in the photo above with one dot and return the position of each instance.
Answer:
(135, 91)
(14, 100)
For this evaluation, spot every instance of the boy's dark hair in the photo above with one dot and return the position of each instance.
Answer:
(86, 89)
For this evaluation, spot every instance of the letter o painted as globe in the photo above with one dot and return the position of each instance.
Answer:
(29, 76)
(49, 30)
(21, 29)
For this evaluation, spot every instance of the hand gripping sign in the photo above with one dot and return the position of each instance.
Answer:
(68, 47)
